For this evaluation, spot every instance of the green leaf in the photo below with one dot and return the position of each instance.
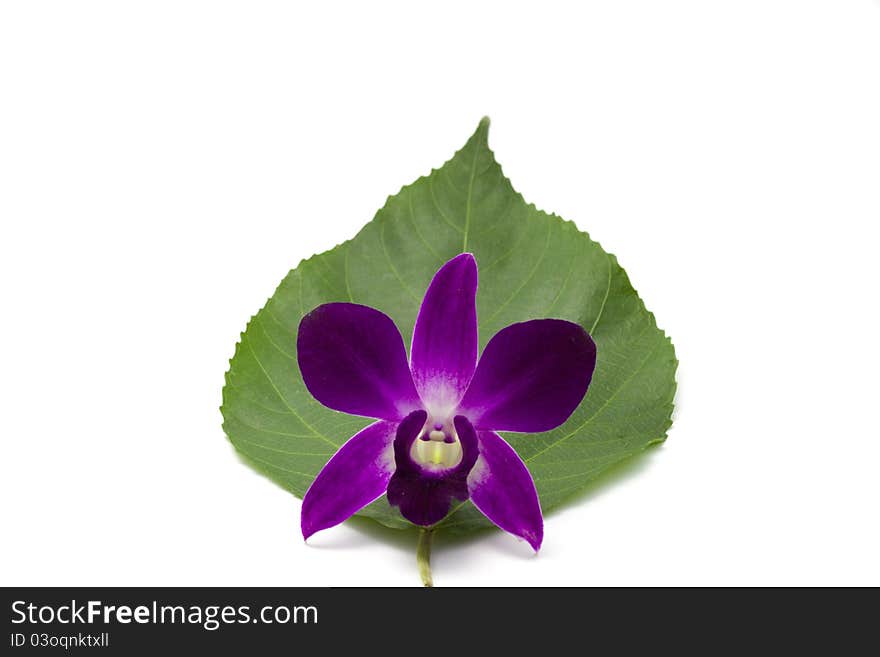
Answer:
(531, 264)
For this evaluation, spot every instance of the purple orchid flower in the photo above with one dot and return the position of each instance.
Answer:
(435, 438)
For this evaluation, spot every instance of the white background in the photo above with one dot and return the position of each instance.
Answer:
(164, 164)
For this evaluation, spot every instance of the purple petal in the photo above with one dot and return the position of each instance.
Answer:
(444, 344)
(531, 376)
(424, 495)
(353, 360)
(356, 475)
(502, 488)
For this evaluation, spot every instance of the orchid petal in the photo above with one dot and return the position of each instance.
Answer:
(424, 496)
(356, 475)
(444, 343)
(531, 376)
(352, 359)
(502, 488)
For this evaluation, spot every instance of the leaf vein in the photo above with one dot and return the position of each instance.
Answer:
(391, 264)
(250, 400)
(468, 202)
(412, 219)
(563, 286)
(345, 275)
(282, 451)
(526, 281)
(238, 418)
(599, 410)
(437, 205)
(287, 403)
(276, 467)
(302, 311)
(272, 342)
(604, 299)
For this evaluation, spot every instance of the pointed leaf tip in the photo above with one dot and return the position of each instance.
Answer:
(482, 131)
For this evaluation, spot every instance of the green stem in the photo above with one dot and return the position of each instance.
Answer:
(423, 556)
